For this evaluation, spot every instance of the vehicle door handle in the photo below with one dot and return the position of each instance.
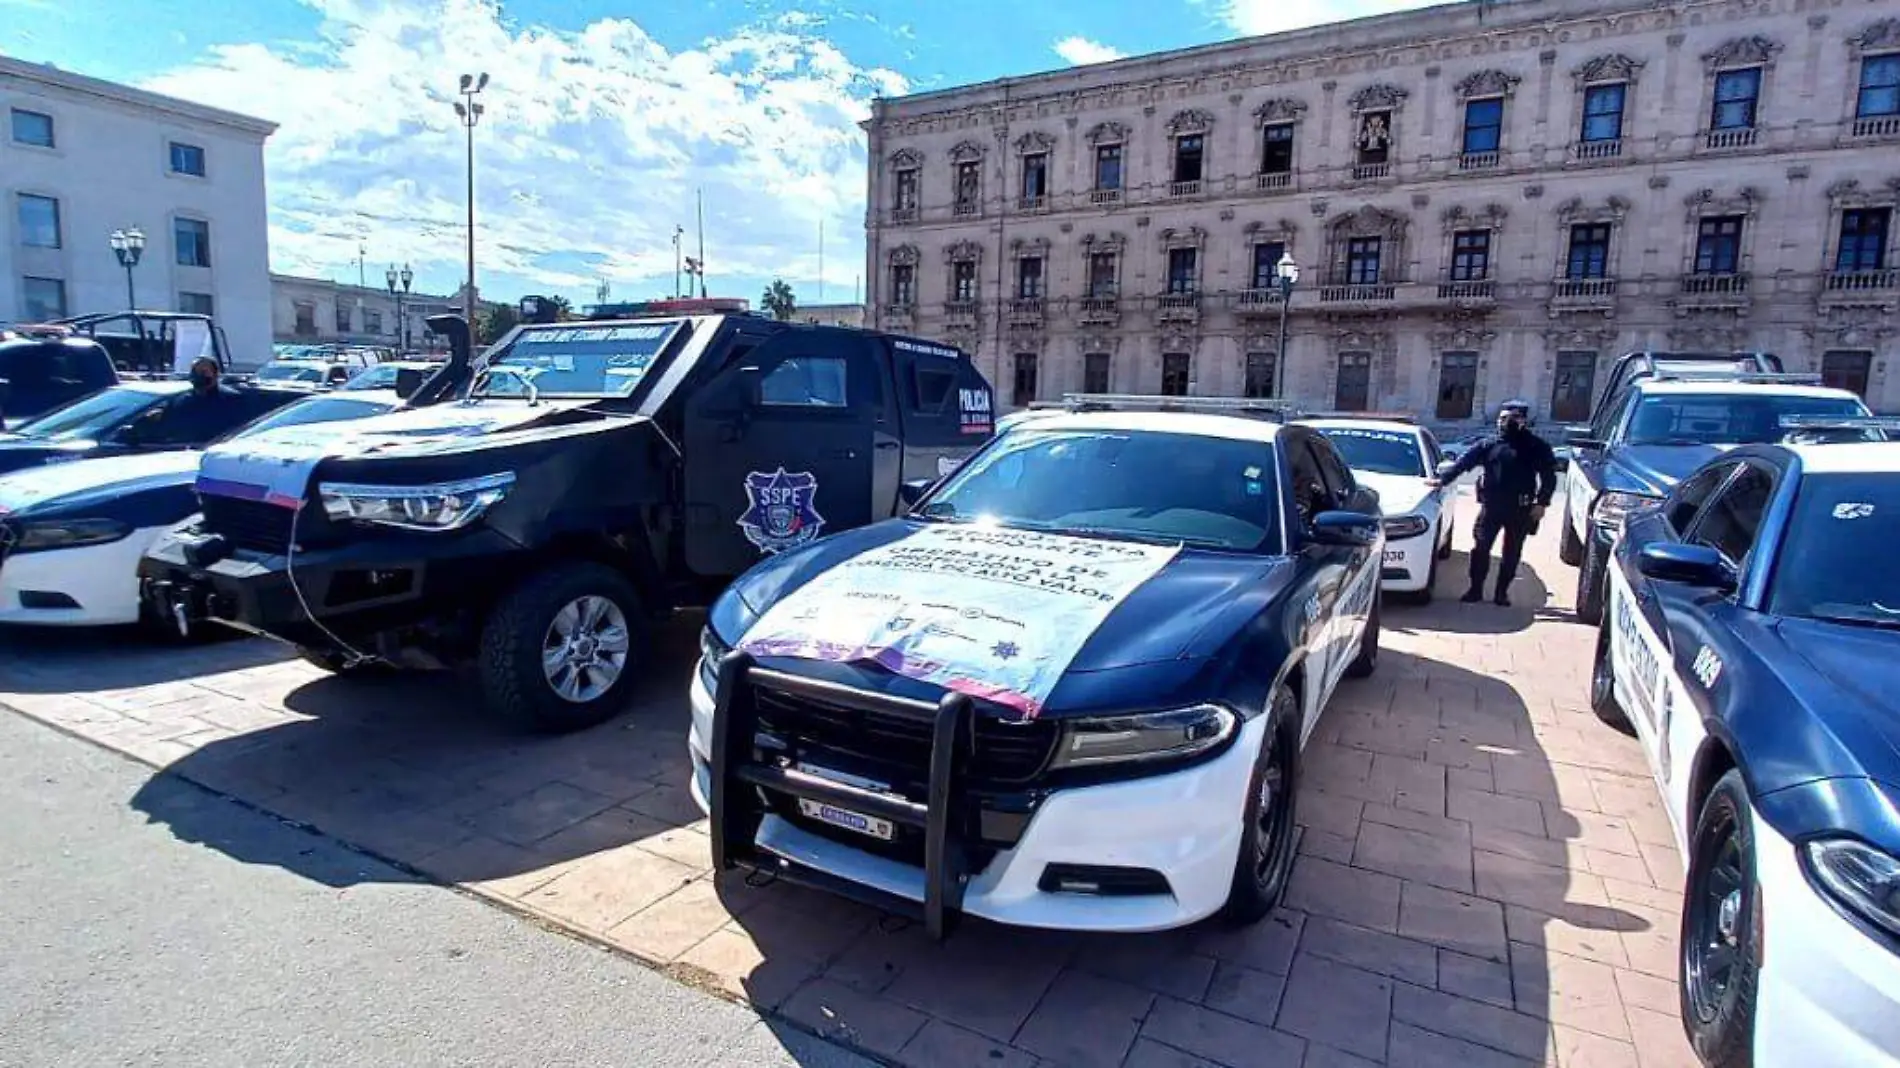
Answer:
(845, 454)
(887, 444)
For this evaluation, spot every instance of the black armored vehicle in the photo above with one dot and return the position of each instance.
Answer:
(534, 512)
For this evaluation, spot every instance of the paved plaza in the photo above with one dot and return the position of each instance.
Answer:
(1487, 875)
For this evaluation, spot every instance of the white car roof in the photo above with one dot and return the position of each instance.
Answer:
(1719, 388)
(1849, 458)
(1340, 423)
(1199, 424)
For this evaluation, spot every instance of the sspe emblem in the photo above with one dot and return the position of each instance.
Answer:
(781, 513)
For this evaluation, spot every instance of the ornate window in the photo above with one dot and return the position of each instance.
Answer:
(1862, 235)
(1188, 131)
(1877, 86)
(1603, 89)
(1279, 120)
(1032, 152)
(1484, 94)
(1589, 258)
(964, 257)
(967, 159)
(1720, 228)
(1471, 242)
(1095, 377)
(903, 267)
(1176, 374)
(1030, 274)
(1736, 81)
(1375, 111)
(1023, 387)
(1367, 247)
(1107, 140)
(906, 168)
(1104, 266)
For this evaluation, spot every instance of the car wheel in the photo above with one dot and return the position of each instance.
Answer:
(1603, 683)
(1368, 659)
(1569, 546)
(1592, 582)
(1269, 834)
(1719, 954)
(1444, 550)
(559, 653)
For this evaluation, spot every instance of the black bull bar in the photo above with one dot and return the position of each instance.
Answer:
(738, 810)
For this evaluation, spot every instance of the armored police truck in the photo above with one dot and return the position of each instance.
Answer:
(534, 512)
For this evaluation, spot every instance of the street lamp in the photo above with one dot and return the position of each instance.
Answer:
(128, 245)
(1287, 273)
(470, 112)
(405, 276)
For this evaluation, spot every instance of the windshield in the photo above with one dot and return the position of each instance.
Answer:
(1379, 452)
(90, 416)
(1845, 526)
(1147, 486)
(589, 361)
(286, 372)
(329, 408)
(1725, 418)
(381, 376)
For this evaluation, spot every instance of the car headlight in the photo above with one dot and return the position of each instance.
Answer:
(67, 534)
(1865, 880)
(1405, 526)
(1613, 506)
(1172, 735)
(711, 651)
(439, 506)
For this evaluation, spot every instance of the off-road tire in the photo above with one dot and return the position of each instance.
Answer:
(509, 658)
(1367, 661)
(1259, 882)
(1725, 1036)
(1592, 582)
(1569, 546)
(1603, 700)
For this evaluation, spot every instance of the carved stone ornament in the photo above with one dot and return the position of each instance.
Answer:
(1615, 67)
(905, 159)
(1491, 217)
(966, 152)
(1033, 142)
(1457, 337)
(1799, 172)
(1369, 221)
(1751, 51)
(1485, 83)
(1533, 191)
(1190, 121)
(1579, 339)
(1112, 242)
(1192, 237)
(1878, 37)
(904, 256)
(1659, 181)
(1704, 202)
(1378, 97)
(1280, 109)
(1034, 246)
(1107, 133)
(1574, 210)
(1850, 193)
(963, 252)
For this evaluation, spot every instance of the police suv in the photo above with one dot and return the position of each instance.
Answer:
(1750, 641)
(1068, 689)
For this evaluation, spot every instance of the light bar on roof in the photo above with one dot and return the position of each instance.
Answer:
(1840, 422)
(1786, 378)
(1156, 402)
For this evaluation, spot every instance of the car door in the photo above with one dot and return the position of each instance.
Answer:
(1359, 578)
(779, 450)
(1583, 479)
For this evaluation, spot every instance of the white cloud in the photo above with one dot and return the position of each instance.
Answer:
(589, 153)
(1081, 50)
(1251, 17)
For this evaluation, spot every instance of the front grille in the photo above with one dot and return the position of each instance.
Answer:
(896, 747)
(252, 525)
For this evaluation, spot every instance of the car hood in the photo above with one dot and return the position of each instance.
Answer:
(1854, 691)
(69, 485)
(1398, 494)
(1652, 470)
(21, 453)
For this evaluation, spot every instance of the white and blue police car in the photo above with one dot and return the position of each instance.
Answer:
(1399, 460)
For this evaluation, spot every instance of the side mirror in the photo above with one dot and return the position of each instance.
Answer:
(1583, 441)
(913, 491)
(408, 380)
(6, 394)
(752, 386)
(1691, 565)
(1444, 469)
(1350, 529)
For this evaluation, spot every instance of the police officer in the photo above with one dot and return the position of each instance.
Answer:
(1520, 477)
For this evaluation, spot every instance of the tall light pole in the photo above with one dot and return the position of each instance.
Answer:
(405, 276)
(1287, 273)
(128, 245)
(469, 111)
(678, 232)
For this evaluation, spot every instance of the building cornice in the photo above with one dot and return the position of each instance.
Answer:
(48, 77)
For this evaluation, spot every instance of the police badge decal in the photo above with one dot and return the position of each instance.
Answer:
(781, 514)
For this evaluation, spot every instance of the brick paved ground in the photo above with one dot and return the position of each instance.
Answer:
(1486, 879)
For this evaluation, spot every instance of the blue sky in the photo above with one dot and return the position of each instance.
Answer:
(603, 116)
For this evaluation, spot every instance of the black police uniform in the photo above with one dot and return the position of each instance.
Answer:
(1520, 471)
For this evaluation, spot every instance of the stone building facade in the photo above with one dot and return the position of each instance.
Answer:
(1485, 200)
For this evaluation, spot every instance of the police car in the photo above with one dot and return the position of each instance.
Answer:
(1396, 458)
(1068, 689)
(1751, 638)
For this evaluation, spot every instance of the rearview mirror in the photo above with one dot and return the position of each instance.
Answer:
(1351, 529)
(914, 490)
(1691, 565)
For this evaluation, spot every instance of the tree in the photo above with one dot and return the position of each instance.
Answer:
(497, 321)
(563, 308)
(778, 300)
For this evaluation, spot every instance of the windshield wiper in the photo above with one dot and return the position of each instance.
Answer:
(1875, 622)
(939, 512)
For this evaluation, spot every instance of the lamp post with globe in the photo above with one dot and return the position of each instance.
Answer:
(1287, 273)
(405, 277)
(128, 245)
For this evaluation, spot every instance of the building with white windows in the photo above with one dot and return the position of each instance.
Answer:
(81, 158)
(317, 311)
(1485, 200)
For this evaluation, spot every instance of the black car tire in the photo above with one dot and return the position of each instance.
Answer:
(1603, 700)
(1444, 549)
(1718, 1010)
(514, 680)
(1569, 546)
(1423, 595)
(1269, 835)
(1367, 661)
(1592, 582)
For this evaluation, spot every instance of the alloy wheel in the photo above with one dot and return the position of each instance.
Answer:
(585, 649)
(1717, 915)
(1273, 826)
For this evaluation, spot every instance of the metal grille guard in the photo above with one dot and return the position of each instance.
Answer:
(737, 811)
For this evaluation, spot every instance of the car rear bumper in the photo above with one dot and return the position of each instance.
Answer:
(88, 586)
(1184, 825)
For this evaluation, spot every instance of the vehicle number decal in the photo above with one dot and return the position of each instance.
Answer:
(1637, 653)
(781, 510)
(1707, 667)
(1853, 510)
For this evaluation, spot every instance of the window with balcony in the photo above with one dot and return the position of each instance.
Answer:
(1573, 387)
(1095, 372)
(1276, 148)
(1353, 391)
(963, 281)
(1484, 126)
(192, 241)
(39, 221)
(1863, 240)
(1023, 387)
(1189, 153)
(1737, 95)
(1589, 252)
(1266, 262)
(1108, 168)
(1181, 263)
(32, 128)
(1362, 261)
(342, 318)
(1259, 380)
(906, 192)
(195, 303)
(1718, 245)
(1879, 95)
(1374, 141)
(1847, 370)
(1471, 255)
(45, 298)
(903, 285)
(1457, 384)
(969, 188)
(372, 321)
(1102, 275)
(1035, 178)
(187, 159)
(1029, 278)
(1603, 113)
(1174, 374)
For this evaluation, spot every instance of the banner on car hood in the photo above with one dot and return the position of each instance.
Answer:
(125, 474)
(993, 613)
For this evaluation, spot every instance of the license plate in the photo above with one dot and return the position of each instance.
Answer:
(1392, 557)
(850, 821)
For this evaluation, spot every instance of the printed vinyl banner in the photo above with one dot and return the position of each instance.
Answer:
(994, 613)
